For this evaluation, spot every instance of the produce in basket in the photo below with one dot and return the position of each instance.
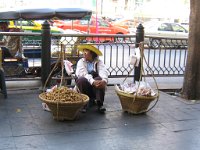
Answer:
(140, 88)
(64, 102)
(133, 103)
(63, 94)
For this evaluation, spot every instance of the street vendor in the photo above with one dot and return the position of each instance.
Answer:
(92, 76)
(10, 45)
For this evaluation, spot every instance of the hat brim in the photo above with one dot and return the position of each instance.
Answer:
(91, 48)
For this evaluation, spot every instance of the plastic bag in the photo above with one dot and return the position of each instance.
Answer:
(144, 89)
(128, 87)
(139, 88)
(68, 67)
(135, 58)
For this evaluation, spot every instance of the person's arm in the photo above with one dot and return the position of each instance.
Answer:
(81, 71)
(100, 83)
(103, 72)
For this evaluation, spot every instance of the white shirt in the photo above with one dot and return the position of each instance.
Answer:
(81, 70)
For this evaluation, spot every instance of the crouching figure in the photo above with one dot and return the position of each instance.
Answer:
(92, 76)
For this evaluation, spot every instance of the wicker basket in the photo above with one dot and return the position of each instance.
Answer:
(65, 110)
(134, 104)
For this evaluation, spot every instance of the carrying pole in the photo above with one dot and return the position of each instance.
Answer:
(139, 38)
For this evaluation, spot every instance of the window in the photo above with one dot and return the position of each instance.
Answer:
(24, 23)
(164, 27)
(101, 22)
(84, 22)
(177, 28)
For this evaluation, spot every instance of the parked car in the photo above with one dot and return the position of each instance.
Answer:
(33, 27)
(104, 27)
(125, 23)
(164, 29)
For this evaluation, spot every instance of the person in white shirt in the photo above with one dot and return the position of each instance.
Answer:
(92, 75)
(10, 45)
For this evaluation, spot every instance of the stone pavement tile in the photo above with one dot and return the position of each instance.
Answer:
(52, 126)
(161, 116)
(38, 113)
(191, 137)
(24, 126)
(121, 119)
(187, 140)
(192, 111)
(7, 143)
(169, 109)
(165, 127)
(5, 128)
(88, 121)
(196, 106)
(82, 145)
(18, 111)
(75, 137)
(126, 138)
(28, 142)
(145, 130)
(3, 112)
(179, 114)
(34, 148)
(182, 125)
(172, 111)
(170, 101)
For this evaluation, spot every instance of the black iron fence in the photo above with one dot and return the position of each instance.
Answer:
(163, 56)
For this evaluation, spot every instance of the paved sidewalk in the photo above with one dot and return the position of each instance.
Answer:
(173, 124)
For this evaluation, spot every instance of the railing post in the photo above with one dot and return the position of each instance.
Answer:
(139, 38)
(45, 53)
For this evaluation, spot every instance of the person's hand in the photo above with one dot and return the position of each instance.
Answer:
(99, 84)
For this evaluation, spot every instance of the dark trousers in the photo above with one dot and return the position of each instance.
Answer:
(6, 53)
(86, 88)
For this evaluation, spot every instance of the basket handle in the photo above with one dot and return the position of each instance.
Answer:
(141, 46)
(153, 104)
(50, 74)
(61, 59)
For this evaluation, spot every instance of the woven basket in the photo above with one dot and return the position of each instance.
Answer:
(134, 104)
(65, 110)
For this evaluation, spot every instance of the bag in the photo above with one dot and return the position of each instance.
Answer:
(135, 58)
(68, 67)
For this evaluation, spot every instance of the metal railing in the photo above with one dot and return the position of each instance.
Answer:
(168, 58)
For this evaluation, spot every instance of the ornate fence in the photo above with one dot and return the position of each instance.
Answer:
(167, 58)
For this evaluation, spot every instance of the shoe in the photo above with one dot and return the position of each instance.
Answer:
(45, 107)
(20, 56)
(91, 103)
(101, 109)
(84, 109)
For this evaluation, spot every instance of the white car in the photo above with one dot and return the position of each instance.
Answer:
(162, 33)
